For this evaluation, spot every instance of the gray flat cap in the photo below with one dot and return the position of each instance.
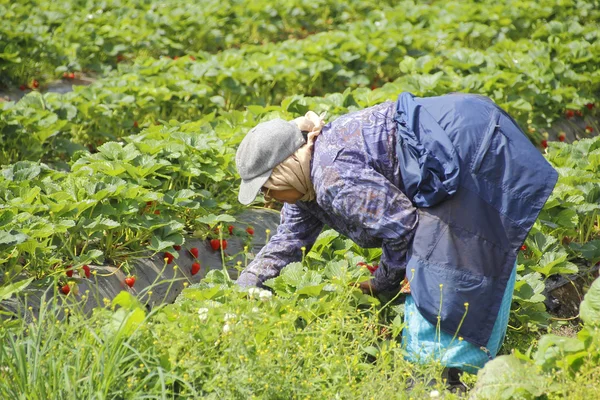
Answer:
(263, 148)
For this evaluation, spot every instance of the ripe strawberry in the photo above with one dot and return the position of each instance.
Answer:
(72, 75)
(589, 106)
(544, 143)
(523, 248)
(69, 272)
(194, 251)
(589, 129)
(250, 230)
(372, 268)
(130, 281)
(135, 124)
(230, 229)
(195, 268)
(65, 289)
(224, 244)
(86, 270)
(177, 247)
(214, 243)
(570, 113)
(169, 257)
(579, 113)
(22, 87)
(35, 84)
(561, 137)
(157, 212)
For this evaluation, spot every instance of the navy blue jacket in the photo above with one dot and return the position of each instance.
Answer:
(479, 185)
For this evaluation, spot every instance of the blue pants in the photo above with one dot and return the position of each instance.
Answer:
(424, 343)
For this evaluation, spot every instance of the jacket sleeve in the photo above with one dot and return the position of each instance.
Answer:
(365, 199)
(298, 228)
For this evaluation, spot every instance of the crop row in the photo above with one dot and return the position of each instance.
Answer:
(37, 37)
(121, 202)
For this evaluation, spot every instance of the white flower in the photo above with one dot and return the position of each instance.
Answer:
(253, 292)
(255, 309)
(434, 394)
(203, 314)
(265, 295)
(226, 328)
(229, 317)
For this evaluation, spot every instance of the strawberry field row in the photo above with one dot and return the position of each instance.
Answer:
(41, 39)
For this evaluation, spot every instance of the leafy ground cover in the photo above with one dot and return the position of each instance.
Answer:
(142, 159)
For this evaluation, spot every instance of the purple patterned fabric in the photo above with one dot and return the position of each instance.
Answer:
(357, 184)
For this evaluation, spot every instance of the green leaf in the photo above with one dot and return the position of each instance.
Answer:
(554, 262)
(507, 377)
(589, 310)
(11, 238)
(553, 349)
(212, 219)
(292, 274)
(124, 322)
(127, 301)
(337, 269)
(590, 250)
(14, 288)
(312, 290)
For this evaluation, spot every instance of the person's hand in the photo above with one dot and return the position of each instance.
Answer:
(366, 287)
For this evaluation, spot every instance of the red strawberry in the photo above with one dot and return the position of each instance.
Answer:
(69, 271)
(561, 137)
(589, 106)
(86, 270)
(361, 264)
(214, 243)
(570, 113)
(192, 58)
(149, 203)
(22, 87)
(194, 251)
(135, 124)
(195, 268)
(169, 257)
(544, 143)
(230, 229)
(523, 248)
(589, 129)
(72, 75)
(157, 212)
(177, 247)
(224, 244)
(250, 230)
(176, 58)
(35, 84)
(65, 289)
(130, 281)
